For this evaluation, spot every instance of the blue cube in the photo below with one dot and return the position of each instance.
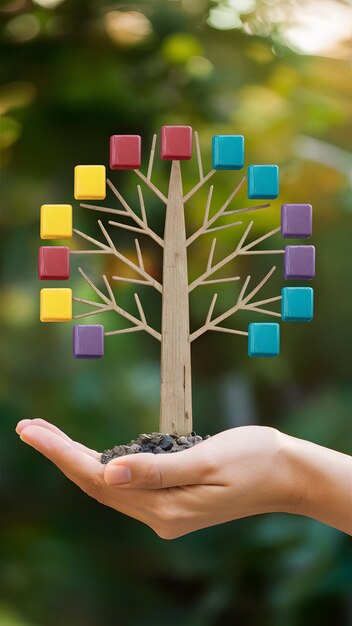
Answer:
(228, 152)
(263, 182)
(297, 304)
(263, 339)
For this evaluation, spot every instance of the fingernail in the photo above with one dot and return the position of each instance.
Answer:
(118, 475)
(21, 425)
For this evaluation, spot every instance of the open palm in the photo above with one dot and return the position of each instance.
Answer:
(214, 482)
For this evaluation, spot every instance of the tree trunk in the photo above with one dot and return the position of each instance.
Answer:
(175, 383)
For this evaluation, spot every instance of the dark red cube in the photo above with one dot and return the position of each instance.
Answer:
(176, 143)
(54, 263)
(125, 152)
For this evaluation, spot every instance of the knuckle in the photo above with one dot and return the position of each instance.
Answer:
(208, 467)
(153, 477)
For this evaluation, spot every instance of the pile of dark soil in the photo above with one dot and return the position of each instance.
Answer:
(157, 443)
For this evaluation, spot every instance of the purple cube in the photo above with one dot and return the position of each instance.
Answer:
(299, 262)
(88, 341)
(296, 220)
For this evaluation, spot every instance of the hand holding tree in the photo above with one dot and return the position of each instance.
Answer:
(237, 473)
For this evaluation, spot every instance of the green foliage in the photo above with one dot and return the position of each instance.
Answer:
(72, 73)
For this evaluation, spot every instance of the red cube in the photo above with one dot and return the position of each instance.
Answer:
(125, 152)
(54, 263)
(176, 143)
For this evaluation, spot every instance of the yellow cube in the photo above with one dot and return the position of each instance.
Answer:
(55, 221)
(90, 182)
(55, 305)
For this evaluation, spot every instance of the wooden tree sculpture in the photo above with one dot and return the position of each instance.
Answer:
(175, 336)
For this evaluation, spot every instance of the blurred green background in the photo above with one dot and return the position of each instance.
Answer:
(73, 72)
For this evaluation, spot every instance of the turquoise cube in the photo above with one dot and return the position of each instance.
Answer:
(297, 304)
(263, 339)
(228, 152)
(263, 182)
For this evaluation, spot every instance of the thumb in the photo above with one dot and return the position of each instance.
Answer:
(156, 471)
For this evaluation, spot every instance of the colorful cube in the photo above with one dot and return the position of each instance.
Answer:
(125, 152)
(296, 220)
(297, 304)
(55, 305)
(228, 152)
(53, 263)
(176, 143)
(90, 182)
(263, 339)
(56, 221)
(263, 182)
(299, 262)
(88, 341)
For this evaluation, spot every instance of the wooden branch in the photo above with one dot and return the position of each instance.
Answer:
(198, 186)
(151, 186)
(244, 236)
(243, 290)
(207, 206)
(139, 254)
(143, 227)
(211, 308)
(239, 250)
(111, 305)
(108, 287)
(241, 304)
(251, 245)
(267, 301)
(128, 227)
(257, 310)
(199, 156)
(208, 222)
(151, 158)
(258, 287)
(211, 230)
(232, 195)
(97, 243)
(103, 209)
(221, 329)
(90, 302)
(150, 280)
(126, 279)
(140, 308)
(95, 289)
(221, 280)
(107, 237)
(262, 252)
(132, 329)
(95, 312)
(211, 254)
(90, 251)
(142, 205)
(247, 209)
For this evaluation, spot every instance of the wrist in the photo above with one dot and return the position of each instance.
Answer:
(317, 482)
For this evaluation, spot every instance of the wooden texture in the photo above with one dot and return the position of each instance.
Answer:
(175, 383)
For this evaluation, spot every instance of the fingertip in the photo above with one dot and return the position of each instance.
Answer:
(21, 425)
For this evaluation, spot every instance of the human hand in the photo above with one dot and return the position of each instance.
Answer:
(239, 472)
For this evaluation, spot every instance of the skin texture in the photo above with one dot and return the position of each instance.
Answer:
(239, 472)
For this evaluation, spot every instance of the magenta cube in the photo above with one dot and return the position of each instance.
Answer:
(125, 152)
(176, 143)
(53, 263)
(296, 220)
(299, 262)
(88, 341)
